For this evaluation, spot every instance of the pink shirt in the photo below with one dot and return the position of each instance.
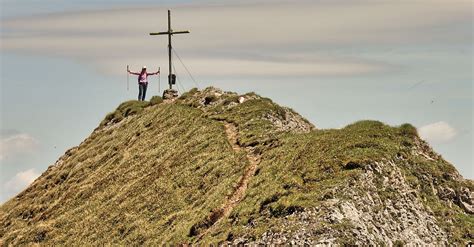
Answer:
(143, 78)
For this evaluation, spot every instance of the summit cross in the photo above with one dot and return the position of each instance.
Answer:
(170, 32)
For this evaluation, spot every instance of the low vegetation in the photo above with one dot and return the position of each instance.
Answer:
(167, 167)
(129, 108)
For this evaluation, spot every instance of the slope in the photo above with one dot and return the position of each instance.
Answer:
(215, 167)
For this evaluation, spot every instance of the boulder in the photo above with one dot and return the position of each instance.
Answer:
(170, 94)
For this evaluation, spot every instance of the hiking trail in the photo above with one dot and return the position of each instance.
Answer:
(253, 159)
(239, 193)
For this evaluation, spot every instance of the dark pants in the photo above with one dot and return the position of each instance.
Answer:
(142, 91)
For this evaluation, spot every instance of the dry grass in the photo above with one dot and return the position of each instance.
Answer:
(149, 174)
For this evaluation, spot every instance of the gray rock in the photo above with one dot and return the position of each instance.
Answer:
(467, 208)
(170, 94)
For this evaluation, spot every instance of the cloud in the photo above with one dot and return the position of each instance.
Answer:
(4, 133)
(16, 145)
(438, 132)
(20, 181)
(255, 39)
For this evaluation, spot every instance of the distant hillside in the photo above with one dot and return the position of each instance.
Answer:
(217, 167)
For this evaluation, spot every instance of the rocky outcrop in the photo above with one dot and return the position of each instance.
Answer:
(378, 207)
(170, 94)
(289, 121)
(283, 120)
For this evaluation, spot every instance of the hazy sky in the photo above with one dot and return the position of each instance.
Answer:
(335, 62)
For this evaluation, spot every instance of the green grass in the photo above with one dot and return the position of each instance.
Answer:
(253, 128)
(129, 108)
(165, 168)
(303, 169)
(155, 100)
(157, 173)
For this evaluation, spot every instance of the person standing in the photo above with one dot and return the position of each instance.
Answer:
(142, 81)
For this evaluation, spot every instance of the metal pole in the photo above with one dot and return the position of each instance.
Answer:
(169, 48)
(169, 33)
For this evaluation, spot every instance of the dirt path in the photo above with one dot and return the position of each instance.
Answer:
(239, 193)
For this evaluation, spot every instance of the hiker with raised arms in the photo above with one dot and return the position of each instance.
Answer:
(142, 81)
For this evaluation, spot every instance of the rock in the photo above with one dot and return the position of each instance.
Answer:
(352, 165)
(290, 121)
(467, 195)
(468, 208)
(170, 94)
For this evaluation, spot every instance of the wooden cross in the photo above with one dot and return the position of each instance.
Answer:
(170, 32)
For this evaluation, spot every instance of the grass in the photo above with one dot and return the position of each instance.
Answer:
(303, 168)
(253, 128)
(166, 167)
(129, 108)
(155, 100)
(169, 173)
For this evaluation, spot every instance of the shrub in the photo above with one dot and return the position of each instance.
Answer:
(209, 99)
(230, 99)
(131, 107)
(155, 100)
(408, 130)
(188, 93)
(124, 110)
(365, 125)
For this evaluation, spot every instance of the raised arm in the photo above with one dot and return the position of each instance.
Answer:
(155, 73)
(133, 73)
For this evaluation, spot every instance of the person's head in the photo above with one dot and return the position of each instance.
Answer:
(144, 69)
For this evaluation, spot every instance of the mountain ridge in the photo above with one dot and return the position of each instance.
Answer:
(218, 167)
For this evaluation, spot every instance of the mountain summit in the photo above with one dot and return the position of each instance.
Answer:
(222, 168)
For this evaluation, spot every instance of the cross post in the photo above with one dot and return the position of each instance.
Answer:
(170, 32)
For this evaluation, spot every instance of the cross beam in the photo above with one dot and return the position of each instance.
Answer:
(170, 32)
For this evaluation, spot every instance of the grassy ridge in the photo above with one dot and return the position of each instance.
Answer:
(302, 170)
(152, 171)
(156, 173)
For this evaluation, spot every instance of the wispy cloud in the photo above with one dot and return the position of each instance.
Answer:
(16, 145)
(245, 39)
(19, 182)
(438, 132)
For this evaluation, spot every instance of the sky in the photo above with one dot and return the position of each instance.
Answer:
(335, 62)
